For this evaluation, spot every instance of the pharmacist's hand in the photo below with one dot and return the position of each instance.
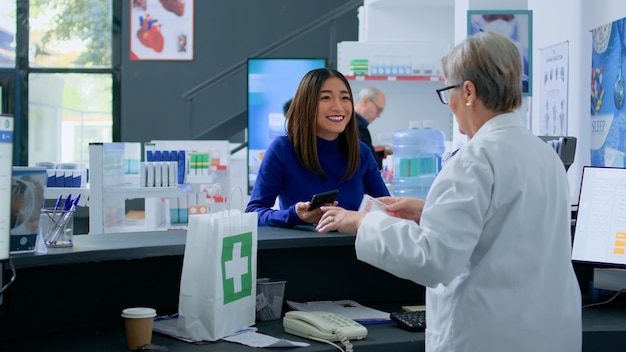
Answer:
(311, 217)
(339, 219)
(404, 207)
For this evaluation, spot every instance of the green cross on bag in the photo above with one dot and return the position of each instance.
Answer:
(237, 267)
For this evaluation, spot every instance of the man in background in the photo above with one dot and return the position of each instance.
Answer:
(286, 106)
(370, 105)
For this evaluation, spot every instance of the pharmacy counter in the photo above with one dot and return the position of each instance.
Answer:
(604, 329)
(88, 285)
(71, 299)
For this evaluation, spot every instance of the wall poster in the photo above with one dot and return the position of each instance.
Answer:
(553, 90)
(608, 114)
(514, 24)
(161, 30)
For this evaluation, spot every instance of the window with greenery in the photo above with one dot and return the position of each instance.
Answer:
(70, 33)
(70, 94)
(66, 112)
(7, 33)
(64, 51)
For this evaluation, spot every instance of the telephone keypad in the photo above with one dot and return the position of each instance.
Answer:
(339, 320)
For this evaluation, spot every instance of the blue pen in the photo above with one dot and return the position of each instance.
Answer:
(75, 202)
(59, 225)
(68, 202)
(58, 203)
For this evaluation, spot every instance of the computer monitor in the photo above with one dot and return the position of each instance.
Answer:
(564, 146)
(6, 162)
(271, 82)
(600, 232)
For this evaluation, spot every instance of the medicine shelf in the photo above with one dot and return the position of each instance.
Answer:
(110, 188)
(135, 191)
(423, 78)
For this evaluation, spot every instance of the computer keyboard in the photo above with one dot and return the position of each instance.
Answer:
(411, 321)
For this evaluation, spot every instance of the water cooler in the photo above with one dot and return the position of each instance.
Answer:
(417, 156)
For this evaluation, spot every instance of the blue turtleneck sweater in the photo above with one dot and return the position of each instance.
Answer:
(282, 175)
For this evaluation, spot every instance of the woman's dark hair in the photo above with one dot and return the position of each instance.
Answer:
(301, 123)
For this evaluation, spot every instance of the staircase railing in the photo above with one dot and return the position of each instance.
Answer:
(238, 121)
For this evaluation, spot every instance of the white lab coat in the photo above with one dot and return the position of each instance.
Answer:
(493, 247)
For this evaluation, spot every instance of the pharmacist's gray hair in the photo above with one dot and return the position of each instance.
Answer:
(493, 63)
(370, 93)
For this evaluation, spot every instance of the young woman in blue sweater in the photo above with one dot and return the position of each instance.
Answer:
(321, 152)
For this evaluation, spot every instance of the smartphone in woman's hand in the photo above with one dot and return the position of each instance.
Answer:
(323, 198)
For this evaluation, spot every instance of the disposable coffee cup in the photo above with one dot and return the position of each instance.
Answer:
(138, 326)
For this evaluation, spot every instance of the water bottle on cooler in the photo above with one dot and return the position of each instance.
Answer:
(417, 156)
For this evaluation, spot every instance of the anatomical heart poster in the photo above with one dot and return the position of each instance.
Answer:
(161, 30)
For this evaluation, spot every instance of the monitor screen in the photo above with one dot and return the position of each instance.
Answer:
(600, 233)
(6, 162)
(564, 146)
(271, 83)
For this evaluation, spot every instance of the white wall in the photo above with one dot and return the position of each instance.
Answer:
(426, 23)
(460, 32)
(556, 21)
(548, 31)
(406, 20)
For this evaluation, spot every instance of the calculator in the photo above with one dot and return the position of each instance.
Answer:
(411, 321)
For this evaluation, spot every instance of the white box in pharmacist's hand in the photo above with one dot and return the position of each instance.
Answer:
(370, 203)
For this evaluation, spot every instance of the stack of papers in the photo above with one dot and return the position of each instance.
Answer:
(255, 339)
(246, 336)
(347, 308)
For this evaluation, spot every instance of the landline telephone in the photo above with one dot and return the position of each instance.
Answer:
(323, 326)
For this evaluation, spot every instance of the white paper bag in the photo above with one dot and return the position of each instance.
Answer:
(218, 282)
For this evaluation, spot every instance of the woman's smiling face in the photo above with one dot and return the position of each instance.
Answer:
(334, 109)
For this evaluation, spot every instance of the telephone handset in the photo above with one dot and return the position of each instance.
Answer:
(323, 325)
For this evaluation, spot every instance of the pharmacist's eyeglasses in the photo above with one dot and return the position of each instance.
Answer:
(444, 94)
(378, 108)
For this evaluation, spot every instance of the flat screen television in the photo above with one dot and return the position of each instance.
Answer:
(600, 232)
(271, 83)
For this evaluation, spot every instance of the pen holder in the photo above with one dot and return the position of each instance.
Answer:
(56, 227)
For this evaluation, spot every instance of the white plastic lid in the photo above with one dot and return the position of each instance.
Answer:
(70, 166)
(415, 124)
(428, 124)
(138, 312)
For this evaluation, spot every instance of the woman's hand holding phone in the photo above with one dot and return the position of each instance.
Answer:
(325, 198)
(310, 211)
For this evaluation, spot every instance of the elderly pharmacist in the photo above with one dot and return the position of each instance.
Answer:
(492, 240)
